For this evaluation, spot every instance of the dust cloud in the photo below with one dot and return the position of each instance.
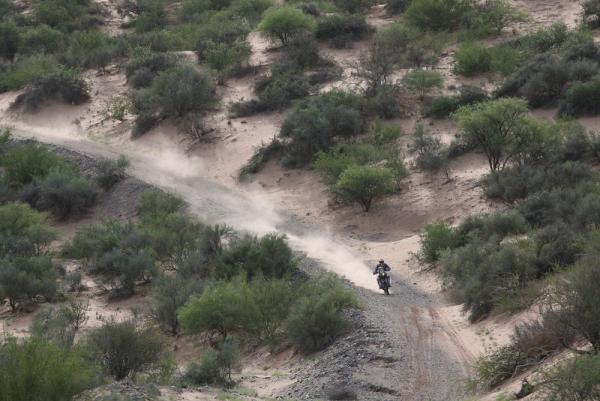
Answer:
(169, 167)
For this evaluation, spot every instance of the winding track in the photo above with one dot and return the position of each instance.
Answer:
(423, 359)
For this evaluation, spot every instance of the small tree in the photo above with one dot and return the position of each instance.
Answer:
(284, 23)
(24, 231)
(23, 164)
(169, 294)
(223, 57)
(494, 126)
(431, 154)
(124, 349)
(24, 279)
(498, 14)
(221, 308)
(215, 366)
(577, 379)
(423, 81)
(363, 184)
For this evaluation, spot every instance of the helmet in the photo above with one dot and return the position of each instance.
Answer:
(381, 261)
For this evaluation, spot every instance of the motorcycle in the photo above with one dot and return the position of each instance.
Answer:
(384, 282)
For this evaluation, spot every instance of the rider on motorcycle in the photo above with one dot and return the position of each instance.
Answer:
(382, 268)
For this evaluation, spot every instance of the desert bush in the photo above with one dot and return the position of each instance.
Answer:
(220, 309)
(68, 86)
(364, 184)
(557, 246)
(126, 349)
(582, 99)
(591, 12)
(314, 124)
(157, 203)
(9, 40)
(90, 49)
(49, 324)
(151, 15)
(26, 70)
(579, 306)
(485, 275)
(110, 172)
(67, 15)
(176, 93)
(491, 227)
(422, 81)
(434, 239)
(24, 279)
(271, 301)
(36, 369)
(24, 231)
(215, 366)
(340, 29)
(577, 379)
(438, 15)
(61, 192)
(169, 293)
(443, 106)
(430, 152)
(269, 256)
(23, 164)
(494, 126)
(277, 91)
(143, 69)
(116, 109)
(471, 59)
(492, 16)
(41, 39)
(226, 58)
(283, 23)
(353, 6)
(317, 320)
(519, 182)
(383, 102)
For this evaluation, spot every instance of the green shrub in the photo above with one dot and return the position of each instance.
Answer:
(110, 172)
(260, 158)
(221, 308)
(215, 366)
(176, 93)
(340, 29)
(317, 320)
(283, 23)
(61, 192)
(41, 39)
(486, 275)
(493, 16)
(67, 15)
(471, 59)
(36, 369)
(59, 325)
(423, 81)
(9, 40)
(269, 256)
(576, 379)
(24, 279)
(582, 99)
(67, 85)
(226, 58)
(27, 70)
(438, 15)
(142, 70)
(314, 124)
(24, 231)
(156, 203)
(152, 15)
(330, 165)
(364, 184)
(23, 164)
(443, 106)
(353, 6)
(126, 349)
(435, 238)
(430, 153)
